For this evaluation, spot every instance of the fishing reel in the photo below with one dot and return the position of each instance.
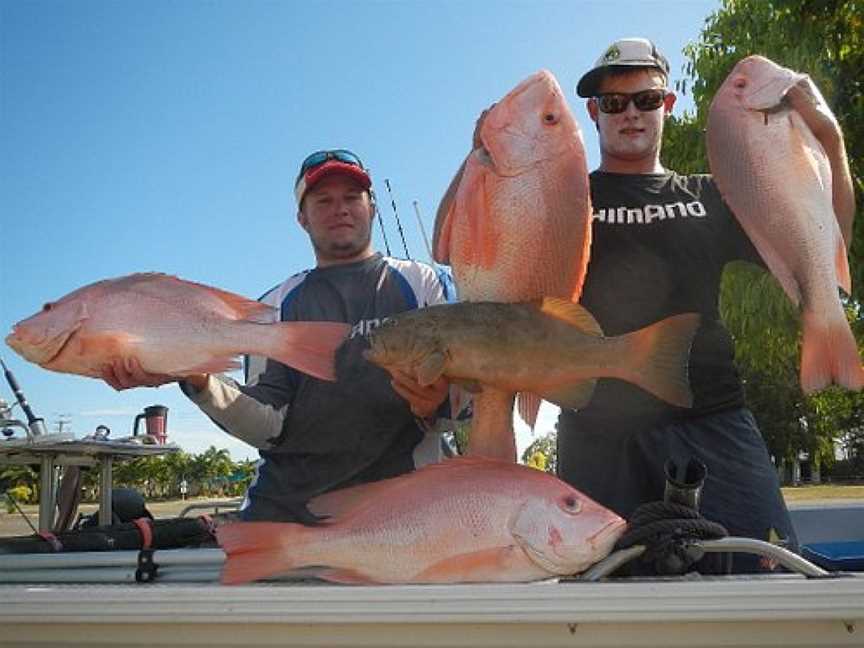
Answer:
(7, 423)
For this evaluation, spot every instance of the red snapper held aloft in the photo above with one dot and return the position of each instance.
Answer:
(172, 327)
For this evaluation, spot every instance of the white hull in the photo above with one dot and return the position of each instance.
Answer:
(783, 611)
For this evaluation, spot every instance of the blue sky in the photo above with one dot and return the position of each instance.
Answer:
(165, 136)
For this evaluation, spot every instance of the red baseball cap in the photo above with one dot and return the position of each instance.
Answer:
(322, 164)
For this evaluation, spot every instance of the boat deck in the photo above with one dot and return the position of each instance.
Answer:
(776, 610)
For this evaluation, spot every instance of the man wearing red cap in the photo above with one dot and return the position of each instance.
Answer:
(315, 436)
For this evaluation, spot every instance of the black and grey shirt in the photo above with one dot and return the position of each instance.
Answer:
(660, 244)
(315, 436)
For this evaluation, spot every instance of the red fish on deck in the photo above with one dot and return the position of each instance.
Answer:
(464, 520)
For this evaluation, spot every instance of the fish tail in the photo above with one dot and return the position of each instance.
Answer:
(829, 354)
(492, 433)
(257, 550)
(309, 347)
(661, 358)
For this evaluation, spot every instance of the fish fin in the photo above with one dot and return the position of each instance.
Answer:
(829, 354)
(492, 426)
(577, 196)
(470, 386)
(339, 503)
(344, 576)
(431, 368)
(571, 313)
(486, 565)
(106, 343)
(659, 357)
(244, 308)
(574, 396)
(257, 550)
(841, 264)
(460, 399)
(309, 347)
(777, 265)
(484, 234)
(214, 365)
(247, 309)
(442, 234)
(528, 404)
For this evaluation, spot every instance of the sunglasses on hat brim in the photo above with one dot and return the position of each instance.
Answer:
(617, 102)
(318, 158)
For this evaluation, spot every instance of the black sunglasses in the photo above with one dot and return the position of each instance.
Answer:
(617, 102)
(320, 157)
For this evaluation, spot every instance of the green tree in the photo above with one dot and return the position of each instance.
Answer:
(826, 40)
(23, 478)
(211, 469)
(545, 446)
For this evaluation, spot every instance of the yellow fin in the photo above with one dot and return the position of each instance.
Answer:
(470, 386)
(573, 314)
(528, 405)
(431, 368)
(575, 396)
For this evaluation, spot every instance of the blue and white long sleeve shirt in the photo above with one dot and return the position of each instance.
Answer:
(315, 436)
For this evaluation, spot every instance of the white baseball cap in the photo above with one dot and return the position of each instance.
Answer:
(624, 52)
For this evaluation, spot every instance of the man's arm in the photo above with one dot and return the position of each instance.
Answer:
(806, 99)
(254, 414)
(425, 400)
(237, 410)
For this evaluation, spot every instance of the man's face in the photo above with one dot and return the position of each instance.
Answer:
(337, 214)
(631, 135)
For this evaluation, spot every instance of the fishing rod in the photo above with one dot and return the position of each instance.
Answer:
(36, 424)
(383, 232)
(423, 232)
(398, 222)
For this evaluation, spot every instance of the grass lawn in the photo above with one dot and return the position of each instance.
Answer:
(823, 492)
(14, 524)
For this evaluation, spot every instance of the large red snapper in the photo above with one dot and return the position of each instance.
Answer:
(170, 326)
(464, 520)
(776, 177)
(519, 225)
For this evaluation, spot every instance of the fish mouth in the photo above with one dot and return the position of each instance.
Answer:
(613, 530)
(45, 352)
(769, 97)
(561, 563)
(539, 558)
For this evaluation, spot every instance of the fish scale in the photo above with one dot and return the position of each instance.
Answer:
(775, 176)
(464, 520)
(518, 225)
(171, 327)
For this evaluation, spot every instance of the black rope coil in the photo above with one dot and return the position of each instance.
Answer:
(667, 531)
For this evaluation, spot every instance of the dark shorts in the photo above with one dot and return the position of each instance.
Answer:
(622, 466)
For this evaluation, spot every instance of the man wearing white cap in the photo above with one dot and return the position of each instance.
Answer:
(660, 244)
(315, 436)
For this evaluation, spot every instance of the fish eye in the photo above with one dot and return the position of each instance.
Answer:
(740, 82)
(571, 504)
(48, 306)
(550, 118)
